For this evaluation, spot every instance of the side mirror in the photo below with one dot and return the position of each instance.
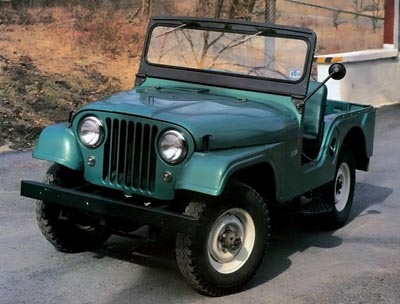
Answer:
(337, 71)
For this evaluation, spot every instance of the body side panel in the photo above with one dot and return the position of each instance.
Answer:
(337, 126)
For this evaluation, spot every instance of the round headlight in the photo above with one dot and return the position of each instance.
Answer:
(172, 146)
(91, 132)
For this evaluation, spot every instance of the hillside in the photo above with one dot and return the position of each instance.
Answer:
(57, 58)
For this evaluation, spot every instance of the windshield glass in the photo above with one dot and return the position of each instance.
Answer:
(255, 54)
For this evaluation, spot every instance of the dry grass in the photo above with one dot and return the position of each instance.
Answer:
(47, 70)
(75, 40)
(111, 42)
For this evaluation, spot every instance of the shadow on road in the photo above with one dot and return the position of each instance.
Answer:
(289, 236)
(140, 250)
(368, 195)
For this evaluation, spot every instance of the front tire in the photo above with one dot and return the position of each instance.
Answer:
(223, 255)
(59, 225)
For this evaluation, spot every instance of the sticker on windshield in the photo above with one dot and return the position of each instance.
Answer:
(295, 74)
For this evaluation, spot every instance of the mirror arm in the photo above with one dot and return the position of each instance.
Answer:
(319, 86)
(336, 71)
(300, 102)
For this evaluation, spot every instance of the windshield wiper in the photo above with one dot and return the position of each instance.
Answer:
(248, 38)
(171, 30)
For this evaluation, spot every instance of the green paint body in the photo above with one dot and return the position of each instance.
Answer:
(243, 128)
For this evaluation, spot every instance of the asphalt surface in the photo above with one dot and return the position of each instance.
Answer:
(359, 263)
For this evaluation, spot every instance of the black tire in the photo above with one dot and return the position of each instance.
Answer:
(201, 258)
(339, 193)
(57, 223)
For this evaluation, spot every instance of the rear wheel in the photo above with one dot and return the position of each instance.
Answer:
(225, 253)
(340, 192)
(68, 230)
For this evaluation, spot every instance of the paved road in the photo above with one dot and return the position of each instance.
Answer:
(359, 263)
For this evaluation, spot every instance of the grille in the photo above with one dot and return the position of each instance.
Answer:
(129, 155)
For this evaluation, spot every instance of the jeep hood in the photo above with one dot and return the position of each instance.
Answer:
(227, 121)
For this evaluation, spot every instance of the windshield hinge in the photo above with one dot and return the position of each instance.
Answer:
(298, 102)
(140, 78)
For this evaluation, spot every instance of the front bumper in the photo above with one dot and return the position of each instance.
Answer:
(109, 207)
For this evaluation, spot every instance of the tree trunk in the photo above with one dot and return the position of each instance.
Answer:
(249, 5)
(270, 11)
(218, 8)
(145, 10)
(233, 11)
(202, 7)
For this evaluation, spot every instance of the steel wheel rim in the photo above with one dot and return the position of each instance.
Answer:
(342, 187)
(231, 240)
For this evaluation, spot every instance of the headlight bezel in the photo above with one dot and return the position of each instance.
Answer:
(100, 131)
(183, 146)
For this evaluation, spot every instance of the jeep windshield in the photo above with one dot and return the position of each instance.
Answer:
(257, 54)
(229, 53)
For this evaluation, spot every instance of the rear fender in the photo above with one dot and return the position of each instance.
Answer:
(57, 143)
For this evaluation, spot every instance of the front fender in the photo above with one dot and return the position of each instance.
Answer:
(57, 143)
(208, 172)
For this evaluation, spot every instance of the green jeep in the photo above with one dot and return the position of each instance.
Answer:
(223, 126)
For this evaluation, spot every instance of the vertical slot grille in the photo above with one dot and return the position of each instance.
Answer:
(129, 155)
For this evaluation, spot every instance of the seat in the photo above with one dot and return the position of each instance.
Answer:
(313, 120)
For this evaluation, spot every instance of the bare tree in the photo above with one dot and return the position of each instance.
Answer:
(218, 8)
(249, 5)
(358, 7)
(234, 9)
(145, 9)
(245, 9)
(375, 7)
(202, 7)
(270, 11)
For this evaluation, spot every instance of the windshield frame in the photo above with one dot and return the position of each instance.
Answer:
(296, 88)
